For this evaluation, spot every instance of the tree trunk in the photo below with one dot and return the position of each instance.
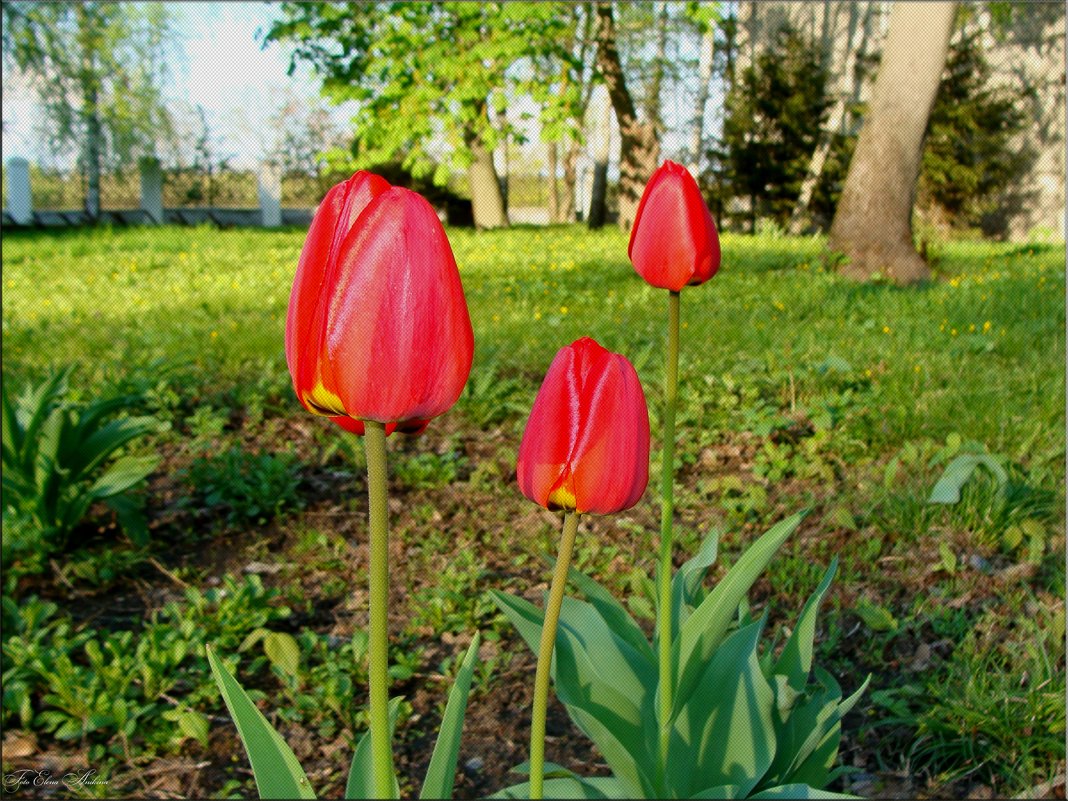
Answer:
(656, 76)
(92, 157)
(639, 148)
(567, 206)
(599, 196)
(873, 222)
(704, 69)
(487, 201)
(835, 121)
(554, 194)
(598, 211)
(90, 81)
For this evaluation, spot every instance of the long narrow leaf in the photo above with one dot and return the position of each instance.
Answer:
(90, 417)
(102, 443)
(957, 473)
(35, 406)
(816, 754)
(586, 683)
(11, 432)
(724, 734)
(614, 614)
(277, 772)
(687, 580)
(703, 630)
(361, 781)
(808, 724)
(571, 787)
(122, 475)
(795, 661)
(441, 773)
(720, 792)
(801, 791)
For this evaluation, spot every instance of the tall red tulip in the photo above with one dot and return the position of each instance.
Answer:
(378, 327)
(674, 241)
(586, 444)
(673, 244)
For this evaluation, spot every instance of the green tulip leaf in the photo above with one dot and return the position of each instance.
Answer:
(722, 791)
(957, 473)
(572, 787)
(795, 661)
(441, 773)
(123, 474)
(819, 741)
(701, 634)
(724, 733)
(361, 781)
(606, 687)
(526, 617)
(847, 704)
(614, 614)
(687, 581)
(550, 770)
(88, 451)
(809, 723)
(277, 772)
(801, 791)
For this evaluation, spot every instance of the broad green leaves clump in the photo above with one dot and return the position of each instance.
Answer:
(744, 724)
(59, 459)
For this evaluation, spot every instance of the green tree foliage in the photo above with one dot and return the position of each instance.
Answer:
(969, 165)
(426, 73)
(774, 112)
(99, 69)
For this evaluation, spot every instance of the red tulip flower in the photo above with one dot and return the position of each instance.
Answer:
(377, 327)
(674, 242)
(586, 444)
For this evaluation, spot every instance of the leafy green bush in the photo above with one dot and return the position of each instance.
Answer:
(968, 165)
(54, 457)
(251, 487)
(111, 688)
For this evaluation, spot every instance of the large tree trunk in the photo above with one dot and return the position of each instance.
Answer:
(873, 222)
(487, 201)
(639, 148)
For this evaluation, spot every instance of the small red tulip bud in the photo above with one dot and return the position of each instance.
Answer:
(674, 242)
(586, 444)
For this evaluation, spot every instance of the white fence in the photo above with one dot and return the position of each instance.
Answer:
(269, 213)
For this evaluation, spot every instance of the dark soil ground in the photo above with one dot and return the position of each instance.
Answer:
(496, 731)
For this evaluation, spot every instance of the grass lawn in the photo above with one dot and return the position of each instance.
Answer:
(798, 389)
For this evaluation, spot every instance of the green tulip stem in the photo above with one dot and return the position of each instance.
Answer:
(378, 654)
(545, 654)
(667, 509)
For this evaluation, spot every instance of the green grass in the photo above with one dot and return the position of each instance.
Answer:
(798, 389)
(980, 353)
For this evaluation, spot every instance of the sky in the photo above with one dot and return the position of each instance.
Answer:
(219, 63)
